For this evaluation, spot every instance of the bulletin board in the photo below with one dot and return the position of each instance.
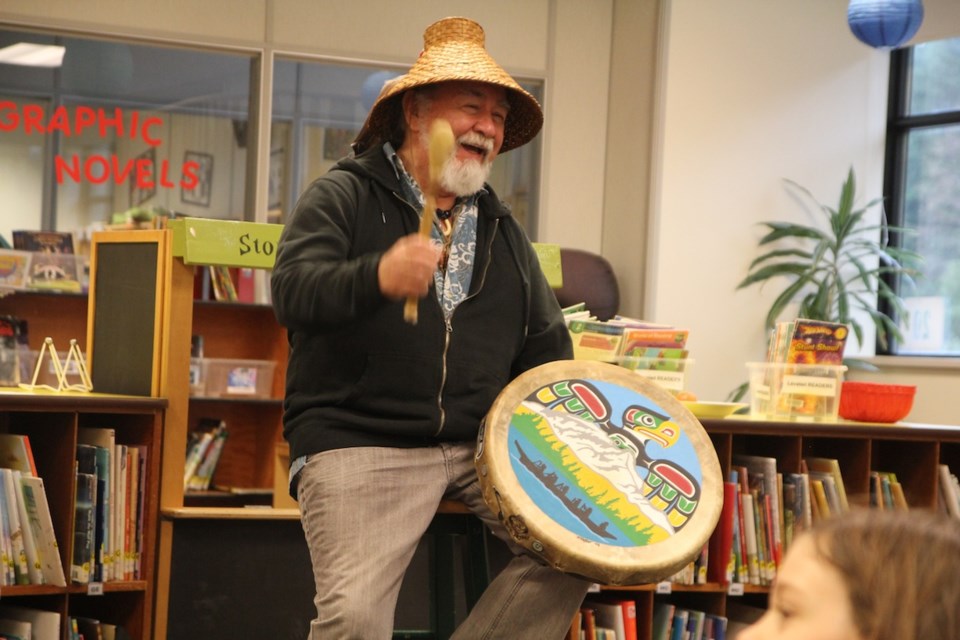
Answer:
(127, 271)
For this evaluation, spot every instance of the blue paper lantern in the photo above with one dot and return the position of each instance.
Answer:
(884, 24)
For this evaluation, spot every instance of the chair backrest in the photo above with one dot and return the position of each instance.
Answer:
(589, 278)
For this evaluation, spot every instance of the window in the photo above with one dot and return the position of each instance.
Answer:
(318, 109)
(923, 187)
(121, 130)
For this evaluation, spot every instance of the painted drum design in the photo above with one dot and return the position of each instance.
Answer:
(600, 472)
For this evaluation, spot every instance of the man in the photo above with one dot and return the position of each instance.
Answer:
(382, 415)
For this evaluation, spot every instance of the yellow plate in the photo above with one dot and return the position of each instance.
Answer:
(714, 409)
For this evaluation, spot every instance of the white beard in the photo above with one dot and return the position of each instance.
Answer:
(464, 177)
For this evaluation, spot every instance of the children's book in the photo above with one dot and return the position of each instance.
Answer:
(817, 342)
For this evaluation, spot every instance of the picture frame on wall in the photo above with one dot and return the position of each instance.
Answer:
(200, 194)
(140, 194)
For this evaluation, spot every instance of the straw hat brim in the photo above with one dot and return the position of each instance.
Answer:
(453, 50)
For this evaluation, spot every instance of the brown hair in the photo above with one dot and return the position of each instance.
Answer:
(901, 569)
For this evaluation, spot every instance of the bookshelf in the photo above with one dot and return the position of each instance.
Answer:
(51, 421)
(912, 451)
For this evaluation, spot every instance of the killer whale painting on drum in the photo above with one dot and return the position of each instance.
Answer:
(618, 469)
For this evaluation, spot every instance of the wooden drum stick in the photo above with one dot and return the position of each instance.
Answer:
(441, 145)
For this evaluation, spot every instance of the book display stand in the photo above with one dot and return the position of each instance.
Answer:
(74, 358)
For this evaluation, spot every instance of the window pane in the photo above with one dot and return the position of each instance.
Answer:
(935, 86)
(131, 129)
(931, 206)
(318, 109)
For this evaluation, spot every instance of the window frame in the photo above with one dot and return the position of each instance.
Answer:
(899, 126)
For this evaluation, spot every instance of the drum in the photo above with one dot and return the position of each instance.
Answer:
(599, 472)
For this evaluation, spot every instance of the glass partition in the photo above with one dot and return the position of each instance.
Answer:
(120, 133)
(318, 109)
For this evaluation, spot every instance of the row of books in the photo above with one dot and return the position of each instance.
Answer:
(671, 622)
(108, 526)
(764, 510)
(28, 544)
(224, 284)
(204, 448)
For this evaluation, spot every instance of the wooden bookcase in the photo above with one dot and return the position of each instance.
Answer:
(912, 451)
(51, 421)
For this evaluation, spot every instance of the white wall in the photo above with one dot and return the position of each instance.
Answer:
(755, 91)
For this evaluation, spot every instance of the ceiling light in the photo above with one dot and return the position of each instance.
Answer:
(33, 55)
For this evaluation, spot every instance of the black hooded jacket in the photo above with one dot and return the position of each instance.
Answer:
(358, 375)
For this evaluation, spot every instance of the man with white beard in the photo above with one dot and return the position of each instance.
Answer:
(382, 415)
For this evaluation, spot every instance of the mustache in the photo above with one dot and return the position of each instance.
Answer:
(474, 139)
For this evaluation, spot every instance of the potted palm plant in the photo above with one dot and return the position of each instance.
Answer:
(836, 270)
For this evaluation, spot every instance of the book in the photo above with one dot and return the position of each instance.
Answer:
(41, 524)
(817, 342)
(830, 466)
(820, 497)
(663, 613)
(14, 269)
(60, 242)
(11, 629)
(720, 564)
(679, 627)
(82, 565)
(34, 567)
(202, 477)
(610, 615)
(629, 611)
(104, 438)
(595, 340)
(44, 625)
(947, 488)
(767, 466)
(750, 536)
(15, 453)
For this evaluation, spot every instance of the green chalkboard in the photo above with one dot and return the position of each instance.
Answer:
(124, 308)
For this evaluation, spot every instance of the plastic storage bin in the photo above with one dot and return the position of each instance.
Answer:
(669, 373)
(795, 391)
(236, 378)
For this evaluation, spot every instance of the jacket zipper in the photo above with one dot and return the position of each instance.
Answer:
(449, 330)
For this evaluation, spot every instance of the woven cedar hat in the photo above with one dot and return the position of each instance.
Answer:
(453, 49)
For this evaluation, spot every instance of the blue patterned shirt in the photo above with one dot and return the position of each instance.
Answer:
(453, 283)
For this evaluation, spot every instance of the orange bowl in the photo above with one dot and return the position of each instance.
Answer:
(875, 402)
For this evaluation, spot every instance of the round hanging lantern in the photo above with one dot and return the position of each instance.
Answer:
(884, 24)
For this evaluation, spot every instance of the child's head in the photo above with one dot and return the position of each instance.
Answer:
(868, 575)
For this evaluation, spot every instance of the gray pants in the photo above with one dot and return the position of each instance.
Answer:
(363, 512)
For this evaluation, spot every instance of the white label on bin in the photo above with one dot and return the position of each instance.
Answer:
(761, 392)
(242, 381)
(671, 380)
(809, 385)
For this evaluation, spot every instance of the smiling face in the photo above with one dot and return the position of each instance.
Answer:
(808, 600)
(477, 113)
